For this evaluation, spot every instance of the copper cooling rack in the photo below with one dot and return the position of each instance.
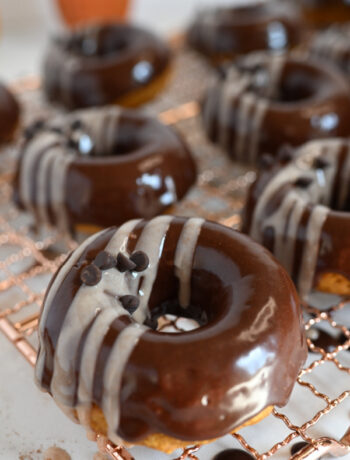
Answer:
(29, 257)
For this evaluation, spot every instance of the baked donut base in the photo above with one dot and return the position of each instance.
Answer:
(159, 441)
(142, 95)
(334, 283)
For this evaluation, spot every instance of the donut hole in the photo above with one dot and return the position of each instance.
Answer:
(295, 87)
(170, 317)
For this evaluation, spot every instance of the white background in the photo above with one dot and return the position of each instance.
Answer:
(26, 24)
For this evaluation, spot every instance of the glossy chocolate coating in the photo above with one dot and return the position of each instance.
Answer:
(146, 168)
(224, 33)
(322, 13)
(201, 384)
(332, 247)
(310, 100)
(101, 64)
(9, 114)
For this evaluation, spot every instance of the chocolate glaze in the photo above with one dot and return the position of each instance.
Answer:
(321, 13)
(326, 203)
(100, 64)
(265, 102)
(225, 32)
(326, 341)
(184, 385)
(9, 114)
(298, 446)
(233, 454)
(136, 167)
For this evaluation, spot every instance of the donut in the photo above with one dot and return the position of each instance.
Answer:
(298, 208)
(101, 167)
(224, 33)
(9, 114)
(322, 13)
(333, 45)
(105, 64)
(106, 364)
(266, 101)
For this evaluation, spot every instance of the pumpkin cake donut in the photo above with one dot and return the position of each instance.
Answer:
(100, 167)
(299, 209)
(264, 101)
(105, 64)
(107, 365)
(223, 33)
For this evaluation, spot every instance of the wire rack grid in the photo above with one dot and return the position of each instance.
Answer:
(29, 257)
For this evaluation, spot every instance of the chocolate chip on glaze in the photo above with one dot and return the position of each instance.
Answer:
(90, 275)
(124, 264)
(266, 161)
(141, 261)
(104, 260)
(130, 303)
(285, 153)
(320, 163)
(303, 182)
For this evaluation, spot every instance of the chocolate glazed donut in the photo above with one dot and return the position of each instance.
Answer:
(98, 356)
(101, 167)
(299, 209)
(265, 102)
(9, 114)
(227, 32)
(105, 64)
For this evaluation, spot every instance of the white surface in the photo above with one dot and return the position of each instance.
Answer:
(27, 24)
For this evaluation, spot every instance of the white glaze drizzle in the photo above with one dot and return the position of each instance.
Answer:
(121, 351)
(332, 44)
(249, 108)
(184, 258)
(47, 158)
(62, 273)
(96, 307)
(295, 202)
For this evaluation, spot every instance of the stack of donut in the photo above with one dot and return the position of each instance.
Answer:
(104, 356)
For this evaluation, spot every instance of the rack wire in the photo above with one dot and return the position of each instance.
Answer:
(29, 257)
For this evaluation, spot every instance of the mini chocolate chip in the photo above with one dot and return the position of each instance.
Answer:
(303, 182)
(124, 264)
(72, 144)
(76, 124)
(90, 275)
(104, 260)
(56, 129)
(233, 454)
(141, 260)
(266, 161)
(32, 129)
(285, 153)
(297, 447)
(320, 163)
(130, 303)
(152, 323)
